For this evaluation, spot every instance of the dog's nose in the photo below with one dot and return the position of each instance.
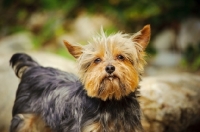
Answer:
(110, 69)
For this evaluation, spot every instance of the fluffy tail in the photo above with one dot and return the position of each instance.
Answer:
(20, 62)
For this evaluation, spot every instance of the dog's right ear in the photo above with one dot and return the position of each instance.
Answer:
(143, 36)
(74, 50)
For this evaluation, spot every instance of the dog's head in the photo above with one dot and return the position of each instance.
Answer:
(110, 66)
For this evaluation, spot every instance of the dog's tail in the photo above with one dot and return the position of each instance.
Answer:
(20, 62)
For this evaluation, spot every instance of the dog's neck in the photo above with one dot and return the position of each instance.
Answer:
(114, 115)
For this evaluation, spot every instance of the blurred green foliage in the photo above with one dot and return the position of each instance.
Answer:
(127, 12)
(129, 15)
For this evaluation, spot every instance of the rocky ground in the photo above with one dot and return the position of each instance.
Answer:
(171, 102)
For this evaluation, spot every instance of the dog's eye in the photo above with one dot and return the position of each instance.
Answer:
(120, 57)
(98, 60)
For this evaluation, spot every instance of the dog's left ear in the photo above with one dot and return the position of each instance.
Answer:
(143, 36)
(74, 50)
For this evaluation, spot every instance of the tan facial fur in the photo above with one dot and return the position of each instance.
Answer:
(123, 51)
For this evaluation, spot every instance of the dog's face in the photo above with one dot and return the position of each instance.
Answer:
(110, 67)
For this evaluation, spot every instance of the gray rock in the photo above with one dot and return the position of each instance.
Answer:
(164, 40)
(189, 33)
(163, 43)
(37, 20)
(91, 25)
(83, 27)
(16, 43)
(166, 59)
(7, 95)
(170, 103)
(49, 59)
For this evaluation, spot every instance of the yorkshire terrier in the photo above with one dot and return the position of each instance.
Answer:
(102, 99)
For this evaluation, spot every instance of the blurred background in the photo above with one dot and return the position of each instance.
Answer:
(39, 27)
(43, 24)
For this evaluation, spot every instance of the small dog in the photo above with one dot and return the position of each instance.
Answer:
(102, 99)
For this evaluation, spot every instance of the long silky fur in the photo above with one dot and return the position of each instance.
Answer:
(61, 101)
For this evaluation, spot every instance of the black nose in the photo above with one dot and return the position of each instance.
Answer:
(110, 69)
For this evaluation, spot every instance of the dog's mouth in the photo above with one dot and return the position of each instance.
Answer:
(111, 77)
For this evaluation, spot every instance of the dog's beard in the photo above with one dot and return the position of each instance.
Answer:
(111, 87)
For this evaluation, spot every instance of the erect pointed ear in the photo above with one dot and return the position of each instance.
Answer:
(74, 50)
(143, 36)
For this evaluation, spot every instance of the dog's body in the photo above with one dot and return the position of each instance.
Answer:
(49, 100)
(62, 102)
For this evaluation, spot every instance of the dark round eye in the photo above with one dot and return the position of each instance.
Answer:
(97, 60)
(120, 57)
